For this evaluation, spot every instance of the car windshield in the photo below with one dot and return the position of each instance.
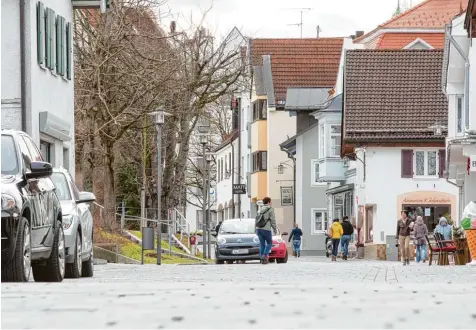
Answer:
(9, 156)
(244, 226)
(62, 188)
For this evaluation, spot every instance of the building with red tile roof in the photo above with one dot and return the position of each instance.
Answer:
(424, 22)
(310, 62)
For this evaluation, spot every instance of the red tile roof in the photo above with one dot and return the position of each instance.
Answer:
(393, 95)
(400, 40)
(299, 62)
(429, 14)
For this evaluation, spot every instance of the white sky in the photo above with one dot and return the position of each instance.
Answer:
(270, 18)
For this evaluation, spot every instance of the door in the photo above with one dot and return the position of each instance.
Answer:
(46, 201)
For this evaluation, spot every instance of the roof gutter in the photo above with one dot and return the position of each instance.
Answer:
(466, 73)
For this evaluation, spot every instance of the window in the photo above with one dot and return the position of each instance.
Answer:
(9, 156)
(260, 161)
(221, 169)
(45, 149)
(230, 165)
(459, 114)
(315, 181)
(423, 163)
(334, 131)
(218, 171)
(60, 45)
(322, 141)
(34, 152)
(319, 221)
(242, 170)
(260, 110)
(50, 24)
(62, 187)
(66, 158)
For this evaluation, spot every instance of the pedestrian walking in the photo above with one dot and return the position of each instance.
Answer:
(444, 229)
(420, 231)
(265, 222)
(193, 244)
(296, 234)
(403, 234)
(335, 233)
(348, 231)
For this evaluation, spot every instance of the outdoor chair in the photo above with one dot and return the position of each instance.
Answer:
(432, 248)
(446, 247)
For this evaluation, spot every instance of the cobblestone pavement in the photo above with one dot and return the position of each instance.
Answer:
(304, 293)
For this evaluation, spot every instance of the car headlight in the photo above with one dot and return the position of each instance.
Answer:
(8, 202)
(67, 221)
(256, 239)
(221, 240)
(279, 240)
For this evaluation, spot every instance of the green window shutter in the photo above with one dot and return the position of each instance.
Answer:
(40, 32)
(58, 43)
(69, 51)
(52, 38)
(47, 38)
(63, 37)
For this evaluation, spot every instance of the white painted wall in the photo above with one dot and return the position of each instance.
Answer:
(384, 183)
(48, 91)
(280, 128)
(224, 187)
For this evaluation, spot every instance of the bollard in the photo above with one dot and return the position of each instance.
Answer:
(147, 241)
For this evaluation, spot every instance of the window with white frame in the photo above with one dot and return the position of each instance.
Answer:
(322, 141)
(426, 163)
(334, 133)
(459, 114)
(315, 181)
(319, 221)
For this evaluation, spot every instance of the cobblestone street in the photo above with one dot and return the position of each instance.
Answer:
(304, 293)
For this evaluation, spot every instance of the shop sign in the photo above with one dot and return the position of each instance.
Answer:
(472, 163)
(427, 200)
(286, 196)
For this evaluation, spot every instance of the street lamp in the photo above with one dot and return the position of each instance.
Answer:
(203, 128)
(209, 159)
(159, 121)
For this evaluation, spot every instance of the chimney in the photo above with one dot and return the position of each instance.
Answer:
(172, 27)
(359, 33)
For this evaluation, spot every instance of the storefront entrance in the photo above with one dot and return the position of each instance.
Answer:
(431, 214)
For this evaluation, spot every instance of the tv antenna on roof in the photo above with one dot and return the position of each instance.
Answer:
(300, 23)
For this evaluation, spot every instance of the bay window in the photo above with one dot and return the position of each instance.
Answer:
(334, 132)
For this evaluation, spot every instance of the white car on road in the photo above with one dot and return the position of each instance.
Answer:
(77, 224)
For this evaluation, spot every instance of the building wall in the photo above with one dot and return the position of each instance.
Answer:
(259, 132)
(385, 189)
(310, 196)
(258, 185)
(245, 153)
(280, 127)
(47, 91)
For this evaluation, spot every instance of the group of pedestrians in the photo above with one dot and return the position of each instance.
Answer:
(417, 230)
(340, 233)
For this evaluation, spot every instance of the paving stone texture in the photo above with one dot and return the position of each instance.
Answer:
(305, 293)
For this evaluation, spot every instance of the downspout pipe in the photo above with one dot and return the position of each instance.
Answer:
(466, 72)
(23, 90)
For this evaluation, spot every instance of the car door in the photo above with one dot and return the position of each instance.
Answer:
(47, 200)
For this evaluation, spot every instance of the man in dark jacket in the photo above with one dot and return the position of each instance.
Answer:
(403, 233)
(296, 234)
(345, 239)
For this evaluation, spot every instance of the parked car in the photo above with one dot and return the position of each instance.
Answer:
(32, 232)
(279, 251)
(77, 224)
(237, 241)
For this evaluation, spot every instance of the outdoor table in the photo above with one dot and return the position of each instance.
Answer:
(462, 251)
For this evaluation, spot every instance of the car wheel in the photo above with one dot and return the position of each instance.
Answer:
(74, 269)
(54, 269)
(19, 268)
(283, 260)
(219, 262)
(272, 260)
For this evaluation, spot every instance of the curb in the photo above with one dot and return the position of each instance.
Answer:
(97, 261)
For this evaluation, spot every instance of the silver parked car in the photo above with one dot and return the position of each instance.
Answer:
(77, 224)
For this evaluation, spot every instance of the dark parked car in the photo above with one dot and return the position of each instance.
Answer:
(32, 232)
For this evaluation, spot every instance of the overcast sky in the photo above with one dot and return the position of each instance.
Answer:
(271, 18)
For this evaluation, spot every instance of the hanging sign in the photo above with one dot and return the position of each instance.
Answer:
(472, 163)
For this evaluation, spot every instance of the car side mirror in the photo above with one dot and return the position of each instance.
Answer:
(39, 170)
(285, 233)
(214, 233)
(86, 197)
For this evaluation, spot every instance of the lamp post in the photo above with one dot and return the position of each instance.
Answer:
(209, 185)
(159, 121)
(203, 128)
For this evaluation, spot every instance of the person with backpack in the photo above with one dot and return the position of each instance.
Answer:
(265, 222)
(296, 234)
(420, 230)
(335, 233)
(348, 230)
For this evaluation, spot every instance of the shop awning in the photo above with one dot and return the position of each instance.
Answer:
(339, 189)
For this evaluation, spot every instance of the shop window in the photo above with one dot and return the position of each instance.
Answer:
(319, 221)
(338, 206)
